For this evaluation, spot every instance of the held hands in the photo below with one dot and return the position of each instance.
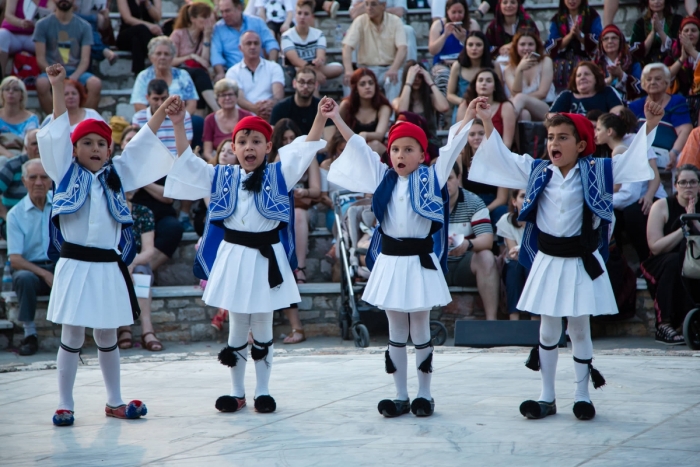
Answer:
(329, 108)
(56, 74)
(483, 109)
(175, 109)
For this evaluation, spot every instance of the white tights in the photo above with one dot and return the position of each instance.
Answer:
(261, 326)
(73, 337)
(582, 346)
(418, 325)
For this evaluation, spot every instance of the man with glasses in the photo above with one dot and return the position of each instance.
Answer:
(11, 187)
(301, 107)
(380, 40)
(27, 246)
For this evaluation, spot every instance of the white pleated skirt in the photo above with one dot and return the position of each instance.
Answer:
(562, 287)
(238, 281)
(400, 283)
(88, 294)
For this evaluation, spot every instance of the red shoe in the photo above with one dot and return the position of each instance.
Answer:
(219, 319)
(133, 410)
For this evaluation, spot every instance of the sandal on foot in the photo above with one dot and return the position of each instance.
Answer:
(422, 407)
(125, 342)
(584, 410)
(300, 280)
(131, 411)
(265, 404)
(391, 409)
(290, 339)
(665, 334)
(536, 410)
(229, 403)
(63, 417)
(149, 345)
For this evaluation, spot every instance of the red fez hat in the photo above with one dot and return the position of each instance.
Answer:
(91, 125)
(253, 123)
(584, 127)
(689, 20)
(403, 129)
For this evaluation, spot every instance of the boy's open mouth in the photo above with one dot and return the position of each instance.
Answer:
(250, 159)
(94, 158)
(556, 155)
(401, 165)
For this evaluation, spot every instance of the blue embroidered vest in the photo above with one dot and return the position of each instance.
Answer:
(70, 196)
(597, 180)
(273, 202)
(427, 200)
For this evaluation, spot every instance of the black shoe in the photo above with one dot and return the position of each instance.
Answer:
(229, 403)
(29, 345)
(422, 407)
(265, 404)
(665, 334)
(538, 409)
(584, 410)
(394, 408)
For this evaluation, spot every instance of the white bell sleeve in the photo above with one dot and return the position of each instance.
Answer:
(494, 164)
(190, 178)
(55, 147)
(296, 158)
(144, 160)
(633, 164)
(456, 140)
(358, 168)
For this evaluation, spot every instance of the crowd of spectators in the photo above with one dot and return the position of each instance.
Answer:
(228, 59)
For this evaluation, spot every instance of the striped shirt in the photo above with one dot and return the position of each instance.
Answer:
(305, 48)
(470, 217)
(166, 132)
(11, 187)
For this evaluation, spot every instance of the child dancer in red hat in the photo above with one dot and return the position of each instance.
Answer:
(91, 232)
(568, 209)
(408, 251)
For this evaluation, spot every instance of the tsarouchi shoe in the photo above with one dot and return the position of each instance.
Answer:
(133, 410)
(265, 404)
(538, 409)
(394, 408)
(584, 410)
(63, 417)
(422, 407)
(229, 403)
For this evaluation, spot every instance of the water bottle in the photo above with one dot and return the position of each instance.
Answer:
(338, 34)
(7, 278)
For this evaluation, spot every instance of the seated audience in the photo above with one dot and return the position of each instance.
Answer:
(192, 39)
(620, 62)
(305, 46)
(16, 30)
(487, 84)
(27, 246)
(683, 59)
(257, 95)
(302, 106)
(675, 125)
(12, 188)
(473, 57)
(69, 28)
(397, 8)
(277, 14)
(15, 119)
(470, 261)
(656, 29)
(587, 91)
(336, 145)
(76, 100)
(161, 53)
(421, 96)
(380, 41)
(218, 126)
(574, 32)
(514, 274)
(229, 31)
(446, 38)
(366, 110)
(662, 270)
(528, 77)
(509, 18)
(139, 24)
(95, 12)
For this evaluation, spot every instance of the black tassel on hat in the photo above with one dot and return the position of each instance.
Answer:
(112, 180)
(533, 361)
(596, 378)
(254, 183)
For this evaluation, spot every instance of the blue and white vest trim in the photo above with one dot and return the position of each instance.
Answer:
(273, 202)
(597, 180)
(70, 196)
(427, 200)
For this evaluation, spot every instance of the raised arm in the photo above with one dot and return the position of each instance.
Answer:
(55, 147)
(633, 164)
(456, 140)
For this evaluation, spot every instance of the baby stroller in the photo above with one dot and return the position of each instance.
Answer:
(353, 274)
(691, 270)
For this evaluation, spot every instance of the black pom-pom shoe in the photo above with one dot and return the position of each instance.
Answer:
(422, 407)
(265, 404)
(394, 408)
(538, 409)
(584, 410)
(229, 403)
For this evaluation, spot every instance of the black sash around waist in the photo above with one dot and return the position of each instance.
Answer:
(261, 241)
(421, 247)
(99, 255)
(570, 247)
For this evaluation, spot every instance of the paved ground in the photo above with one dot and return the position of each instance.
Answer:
(327, 394)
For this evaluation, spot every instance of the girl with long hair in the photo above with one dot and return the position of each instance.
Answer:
(656, 29)
(420, 95)
(475, 55)
(509, 18)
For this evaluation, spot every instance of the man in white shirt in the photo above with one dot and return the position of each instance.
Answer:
(398, 8)
(260, 81)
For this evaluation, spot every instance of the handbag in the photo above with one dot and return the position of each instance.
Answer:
(691, 261)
